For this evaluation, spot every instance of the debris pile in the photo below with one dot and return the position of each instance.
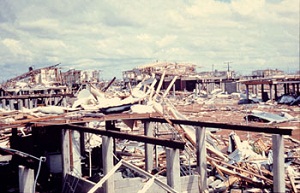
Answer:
(237, 161)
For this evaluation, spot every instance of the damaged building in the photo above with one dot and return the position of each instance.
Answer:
(101, 140)
(185, 77)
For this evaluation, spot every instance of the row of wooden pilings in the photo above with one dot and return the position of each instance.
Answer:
(30, 103)
(292, 88)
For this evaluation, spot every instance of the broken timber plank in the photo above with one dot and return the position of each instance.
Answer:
(170, 86)
(268, 181)
(106, 177)
(159, 85)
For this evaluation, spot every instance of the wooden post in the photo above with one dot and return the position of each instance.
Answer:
(82, 144)
(256, 90)
(294, 88)
(262, 91)
(169, 87)
(148, 131)
(278, 163)
(107, 156)
(275, 91)
(201, 157)
(14, 137)
(247, 91)
(196, 90)
(66, 161)
(173, 169)
(26, 179)
(271, 91)
(284, 87)
(159, 84)
(174, 89)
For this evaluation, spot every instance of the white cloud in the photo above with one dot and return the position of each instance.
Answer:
(15, 47)
(129, 33)
(248, 7)
(166, 40)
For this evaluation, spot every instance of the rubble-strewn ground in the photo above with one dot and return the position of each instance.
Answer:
(239, 160)
(228, 111)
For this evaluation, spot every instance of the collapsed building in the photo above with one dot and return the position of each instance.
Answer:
(150, 139)
(185, 77)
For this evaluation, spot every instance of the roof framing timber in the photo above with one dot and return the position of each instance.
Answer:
(115, 134)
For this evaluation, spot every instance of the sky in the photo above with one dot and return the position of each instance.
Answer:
(118, 35)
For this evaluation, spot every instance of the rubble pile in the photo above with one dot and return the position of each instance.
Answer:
(237, 161)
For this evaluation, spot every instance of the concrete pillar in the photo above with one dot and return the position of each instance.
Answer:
(148, 131)
(11, 104)
(278, 163)
(26, 179)
(3, 103)
(107, 159)
(35, 103)
(199, 88)
(173, 169)
(30, 103)
(196, 90)
(26, 101)
(20, 104)
(66, 159)
(76, 153)
(201, 157)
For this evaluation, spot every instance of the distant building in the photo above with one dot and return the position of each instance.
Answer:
(72, 76)
(170, 69)
(47, 76)
(267, 73)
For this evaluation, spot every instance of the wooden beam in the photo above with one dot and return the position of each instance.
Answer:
(272, 130)
(35, 96)
(106, 177)
(115, 134)
(169, 87)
